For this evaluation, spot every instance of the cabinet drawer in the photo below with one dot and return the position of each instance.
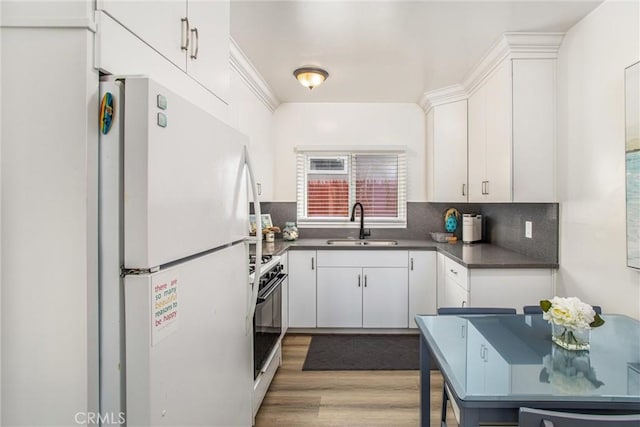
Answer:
(363, 258)
(457, 273)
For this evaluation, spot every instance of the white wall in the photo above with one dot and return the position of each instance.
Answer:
(591, 168)
(349, 124)
(253, 118)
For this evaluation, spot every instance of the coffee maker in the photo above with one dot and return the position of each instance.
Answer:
(471, 228)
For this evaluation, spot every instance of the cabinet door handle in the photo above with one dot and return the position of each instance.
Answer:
(482, 351)
(453, 271)
(462, 331)
(365, 280)
(358, 280)
(411, 264)
(313, 263)
(464, 189)
(485, 187)
(259, 189)
(464, 303)
(196, 43)
(184, 44)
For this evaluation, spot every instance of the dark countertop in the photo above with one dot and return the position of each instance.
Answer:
(477, 255)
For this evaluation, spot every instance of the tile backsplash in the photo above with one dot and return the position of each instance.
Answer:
(504, 224)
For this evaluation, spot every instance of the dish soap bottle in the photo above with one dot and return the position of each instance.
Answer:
(290, 231)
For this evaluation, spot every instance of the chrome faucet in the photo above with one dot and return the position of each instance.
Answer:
(363, 234)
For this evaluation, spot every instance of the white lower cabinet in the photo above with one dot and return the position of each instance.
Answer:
(422, 284)
(284, 260)
(385, 296)
(340, 297)
(354, 297)
(494, 287)
(302, 289)
(456, 284)
(454, 295)
(362, 289)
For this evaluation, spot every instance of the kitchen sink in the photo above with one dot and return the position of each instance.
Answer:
(380, 242)
(345, 242)
(354, 242)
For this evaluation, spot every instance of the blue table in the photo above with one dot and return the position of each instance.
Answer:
(495, 364)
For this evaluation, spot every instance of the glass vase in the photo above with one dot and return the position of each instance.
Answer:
(290, 231)
(570, 339)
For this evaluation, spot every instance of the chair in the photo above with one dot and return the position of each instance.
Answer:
(463, 311)
(529, 417)
(475, 310)
(535, 309)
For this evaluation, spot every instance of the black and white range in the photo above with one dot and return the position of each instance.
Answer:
(267, 320)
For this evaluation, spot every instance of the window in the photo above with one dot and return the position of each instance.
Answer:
(328, 184)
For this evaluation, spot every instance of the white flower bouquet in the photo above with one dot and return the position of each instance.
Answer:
(571, 321)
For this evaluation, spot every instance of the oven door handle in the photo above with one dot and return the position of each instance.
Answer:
(272, 289)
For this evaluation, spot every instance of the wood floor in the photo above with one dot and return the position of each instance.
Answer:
(343, 398)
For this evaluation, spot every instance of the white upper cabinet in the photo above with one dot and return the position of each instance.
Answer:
(447, 152)
(208, 60)
(512, 133)
(534, 112)
(194, 35)
(510, 126)
(490, 138)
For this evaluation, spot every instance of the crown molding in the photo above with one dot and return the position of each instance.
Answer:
(252, 78)
(445, 95)
(513, 45)
(510, 45)
(534, 45)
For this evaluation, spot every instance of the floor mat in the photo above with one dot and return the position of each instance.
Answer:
(358, 352)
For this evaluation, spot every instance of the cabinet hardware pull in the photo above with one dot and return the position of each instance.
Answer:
(365, 280)
(196, 43)
(453, 271)
(184, 44)
(464, 187)
(482, 351)
(464, 303)
(485, 187)
(259, 189)
(462, 331)
(358, 280)
(411, 264)
(312, 263)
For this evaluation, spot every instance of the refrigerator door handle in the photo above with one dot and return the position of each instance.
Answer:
(256, 209)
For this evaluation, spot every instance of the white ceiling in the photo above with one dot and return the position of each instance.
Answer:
(383, 51)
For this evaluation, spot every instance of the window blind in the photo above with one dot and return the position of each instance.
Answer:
(326, 194)
(377, 184)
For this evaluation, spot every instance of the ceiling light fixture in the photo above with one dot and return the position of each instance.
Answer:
(310, 76)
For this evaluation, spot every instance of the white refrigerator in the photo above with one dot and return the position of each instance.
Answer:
(175, 297)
